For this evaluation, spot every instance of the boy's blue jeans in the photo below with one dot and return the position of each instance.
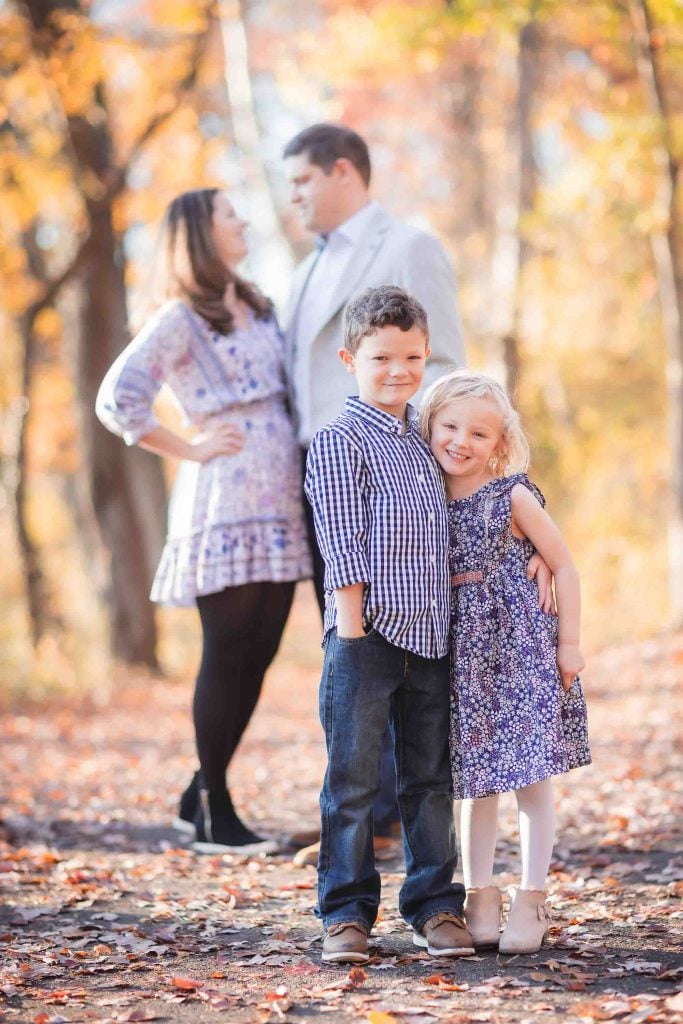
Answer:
(367, 682)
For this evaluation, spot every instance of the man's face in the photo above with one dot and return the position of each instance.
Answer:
(317, 195)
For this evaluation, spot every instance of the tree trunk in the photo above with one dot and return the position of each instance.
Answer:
(42, 608)
(126, 487)
(273, 252)
(42, 611)
(668, 257)
(529, 46)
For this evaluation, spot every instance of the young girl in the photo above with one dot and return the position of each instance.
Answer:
(518, 715)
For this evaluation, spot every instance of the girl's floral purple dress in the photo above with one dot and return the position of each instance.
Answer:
(512, 724)
(237, 518)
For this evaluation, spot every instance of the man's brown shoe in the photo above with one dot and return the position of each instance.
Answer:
(445, 935)
(345, 944)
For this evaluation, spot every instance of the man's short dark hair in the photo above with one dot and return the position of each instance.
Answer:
(324, 144)
(386, 306)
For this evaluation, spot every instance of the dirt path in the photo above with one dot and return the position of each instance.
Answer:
(107, 917)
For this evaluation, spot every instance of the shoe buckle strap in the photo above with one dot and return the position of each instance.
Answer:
(206, 813)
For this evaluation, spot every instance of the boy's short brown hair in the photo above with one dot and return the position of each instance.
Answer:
(386, 306)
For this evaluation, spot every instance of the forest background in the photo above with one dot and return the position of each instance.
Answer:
(540, 141)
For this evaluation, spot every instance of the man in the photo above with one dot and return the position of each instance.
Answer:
(360, 245)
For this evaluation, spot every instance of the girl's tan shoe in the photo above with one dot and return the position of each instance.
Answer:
(482, 914)
(527, 923)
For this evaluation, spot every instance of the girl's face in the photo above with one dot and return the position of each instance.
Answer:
(465, 434)
(227, 231)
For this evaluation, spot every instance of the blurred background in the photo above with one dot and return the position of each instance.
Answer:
(540, 141)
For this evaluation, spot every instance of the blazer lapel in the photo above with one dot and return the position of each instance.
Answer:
(299, 281)
(364, 252)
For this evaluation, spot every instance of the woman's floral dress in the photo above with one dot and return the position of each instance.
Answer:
(512, 724)
(237, 518)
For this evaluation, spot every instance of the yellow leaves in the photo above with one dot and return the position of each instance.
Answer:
(378, 1017)
(53, 431)
(48, 325)
(75, 62)
(185, 16)
(48, 517)
(15, 39)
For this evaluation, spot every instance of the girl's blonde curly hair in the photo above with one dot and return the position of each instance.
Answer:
(512, 454)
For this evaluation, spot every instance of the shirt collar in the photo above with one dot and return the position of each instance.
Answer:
(352, 229)
(384, 420)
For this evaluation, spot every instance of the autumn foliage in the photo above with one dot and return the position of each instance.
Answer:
(540, 141)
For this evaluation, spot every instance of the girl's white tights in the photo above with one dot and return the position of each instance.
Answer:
(537, 823)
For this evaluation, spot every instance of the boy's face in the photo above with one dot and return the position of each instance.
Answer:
(389, 366)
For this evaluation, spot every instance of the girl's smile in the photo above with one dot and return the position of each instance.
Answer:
(465, 436)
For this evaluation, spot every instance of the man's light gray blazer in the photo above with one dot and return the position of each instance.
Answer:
(388, 252)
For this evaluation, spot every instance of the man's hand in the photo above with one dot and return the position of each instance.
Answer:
(540, 571)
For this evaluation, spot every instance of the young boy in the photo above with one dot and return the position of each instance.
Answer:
(380, 519)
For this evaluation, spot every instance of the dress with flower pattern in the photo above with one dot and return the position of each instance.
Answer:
(237, 518)
(512, 724)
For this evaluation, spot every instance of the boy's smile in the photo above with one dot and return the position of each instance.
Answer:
(389, 366)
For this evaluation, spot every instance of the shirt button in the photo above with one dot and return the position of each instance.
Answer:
(421, 479)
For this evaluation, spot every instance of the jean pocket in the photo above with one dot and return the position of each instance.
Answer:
(347, 641)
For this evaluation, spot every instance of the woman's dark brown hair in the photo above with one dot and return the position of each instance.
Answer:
(191, 269)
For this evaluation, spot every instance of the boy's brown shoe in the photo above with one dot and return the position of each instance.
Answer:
(345, 944)
(445, 935)
(382, 845)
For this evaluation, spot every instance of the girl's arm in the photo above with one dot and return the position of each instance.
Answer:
(531, 519)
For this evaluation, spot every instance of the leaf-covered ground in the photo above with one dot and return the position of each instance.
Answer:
(107, 915)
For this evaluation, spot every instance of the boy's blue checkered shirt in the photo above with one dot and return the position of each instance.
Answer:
(380, 517)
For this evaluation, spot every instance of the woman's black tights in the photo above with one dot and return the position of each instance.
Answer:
(241, 631)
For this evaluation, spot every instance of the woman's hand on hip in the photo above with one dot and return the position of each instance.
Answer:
(227, 439)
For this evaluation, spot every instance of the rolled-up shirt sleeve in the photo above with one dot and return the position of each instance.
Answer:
(335, 484)
(127, 393)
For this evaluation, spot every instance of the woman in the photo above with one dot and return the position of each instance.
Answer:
(236, 542)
